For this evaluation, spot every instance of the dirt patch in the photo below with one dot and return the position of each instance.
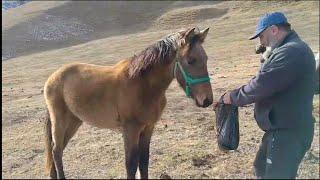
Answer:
(185, 16)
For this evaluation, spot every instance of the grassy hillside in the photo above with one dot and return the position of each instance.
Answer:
(184, 143)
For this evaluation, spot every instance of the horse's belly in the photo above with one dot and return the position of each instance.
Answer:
(102, 122)
(98, 117)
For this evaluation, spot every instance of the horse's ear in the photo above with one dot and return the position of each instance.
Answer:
(203, 34)
(189, 35)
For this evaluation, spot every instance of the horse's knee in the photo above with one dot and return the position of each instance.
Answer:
(132, 157)
(57, 153)
(143, 157)
(132, 162)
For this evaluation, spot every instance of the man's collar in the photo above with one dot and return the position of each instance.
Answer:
(291, 34)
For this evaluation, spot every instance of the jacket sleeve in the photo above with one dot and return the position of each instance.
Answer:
(278, 74)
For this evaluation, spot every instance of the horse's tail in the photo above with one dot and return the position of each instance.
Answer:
(48, 140)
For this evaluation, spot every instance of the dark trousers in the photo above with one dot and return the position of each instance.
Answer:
(281, 151)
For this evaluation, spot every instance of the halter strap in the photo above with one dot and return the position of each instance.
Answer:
(188, 79)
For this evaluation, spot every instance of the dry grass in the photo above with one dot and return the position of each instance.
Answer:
(183, 144)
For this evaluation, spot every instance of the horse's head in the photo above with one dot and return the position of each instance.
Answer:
(191, 66)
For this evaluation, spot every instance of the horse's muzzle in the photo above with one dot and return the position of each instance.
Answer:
(207, 102)
(204, 103)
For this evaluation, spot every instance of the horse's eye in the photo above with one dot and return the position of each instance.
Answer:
(191, 61)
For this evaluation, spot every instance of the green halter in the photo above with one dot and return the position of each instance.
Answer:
(189, 80)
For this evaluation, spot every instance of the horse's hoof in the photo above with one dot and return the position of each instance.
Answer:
(51, 177)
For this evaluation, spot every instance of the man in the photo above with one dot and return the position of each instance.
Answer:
(283, 93)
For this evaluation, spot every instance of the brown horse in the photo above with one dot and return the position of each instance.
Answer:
(129, 95)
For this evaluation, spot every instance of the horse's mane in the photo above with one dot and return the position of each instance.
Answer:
(161, 52)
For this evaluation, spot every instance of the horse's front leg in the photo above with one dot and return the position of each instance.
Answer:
(131, 136)
(144, 146)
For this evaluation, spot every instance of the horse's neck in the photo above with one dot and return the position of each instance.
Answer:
(160, 78)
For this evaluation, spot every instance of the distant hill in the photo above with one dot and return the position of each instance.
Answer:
(39, 26)
(12, 4)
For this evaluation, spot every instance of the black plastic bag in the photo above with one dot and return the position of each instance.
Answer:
(227, 125)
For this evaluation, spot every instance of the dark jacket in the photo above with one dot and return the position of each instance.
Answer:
(283, 88)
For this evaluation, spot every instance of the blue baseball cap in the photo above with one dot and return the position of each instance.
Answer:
(267, 20)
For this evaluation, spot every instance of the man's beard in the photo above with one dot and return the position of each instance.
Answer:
(272, 43)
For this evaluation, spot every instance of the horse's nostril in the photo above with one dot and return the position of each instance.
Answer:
(207, 102)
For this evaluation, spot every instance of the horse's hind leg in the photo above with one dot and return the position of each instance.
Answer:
(72, 128)
(59, 124)
(64, 126)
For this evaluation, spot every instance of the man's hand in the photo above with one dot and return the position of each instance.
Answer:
(226, 98)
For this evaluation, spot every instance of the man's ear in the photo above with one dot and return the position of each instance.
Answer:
(274, 29)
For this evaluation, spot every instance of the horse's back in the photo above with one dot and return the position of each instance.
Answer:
(57, 79)
(88, 91)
